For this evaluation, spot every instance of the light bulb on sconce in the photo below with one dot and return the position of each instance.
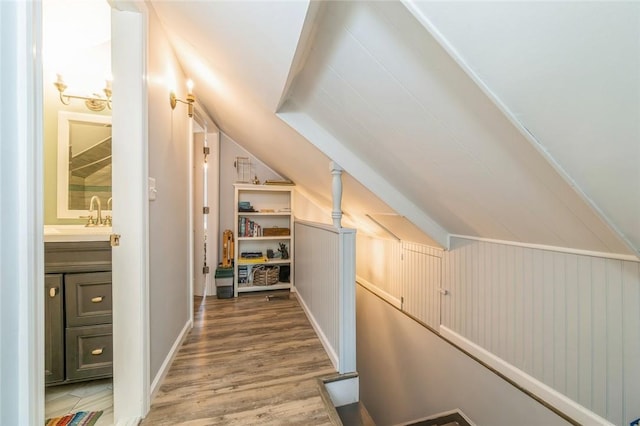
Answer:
(95, 103)
(107, 87)
(190, 99)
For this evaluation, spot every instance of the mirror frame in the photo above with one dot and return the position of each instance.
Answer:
(62, 199)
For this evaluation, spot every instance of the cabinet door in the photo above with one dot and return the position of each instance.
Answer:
(53, 329)
(88, 298)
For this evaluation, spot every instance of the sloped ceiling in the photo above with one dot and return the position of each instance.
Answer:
(366, 85)
(241, 99)
(569, 72)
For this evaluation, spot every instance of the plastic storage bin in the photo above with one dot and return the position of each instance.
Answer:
(224, 283)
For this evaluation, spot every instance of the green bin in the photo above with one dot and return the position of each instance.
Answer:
(224, 283)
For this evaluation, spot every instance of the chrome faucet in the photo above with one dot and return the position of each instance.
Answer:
(99, 218)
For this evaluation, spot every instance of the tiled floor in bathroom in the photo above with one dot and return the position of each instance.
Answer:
(95, 395)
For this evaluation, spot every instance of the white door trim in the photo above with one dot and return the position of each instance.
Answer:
(212, 137)
(131, 382)
(190, 222)
(21, 227)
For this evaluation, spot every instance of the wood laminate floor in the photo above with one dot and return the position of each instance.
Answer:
(247, 361)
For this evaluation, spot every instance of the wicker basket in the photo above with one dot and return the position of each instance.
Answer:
(265, 275)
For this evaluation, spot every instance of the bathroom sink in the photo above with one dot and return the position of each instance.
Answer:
(61, 233)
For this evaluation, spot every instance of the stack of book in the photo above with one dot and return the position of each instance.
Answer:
(248, 228)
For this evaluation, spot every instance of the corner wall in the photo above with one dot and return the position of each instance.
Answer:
(407, 372)
(169, 287)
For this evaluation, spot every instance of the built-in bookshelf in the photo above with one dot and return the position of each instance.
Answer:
(263, 258)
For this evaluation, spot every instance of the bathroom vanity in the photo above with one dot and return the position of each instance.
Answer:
(78, 304)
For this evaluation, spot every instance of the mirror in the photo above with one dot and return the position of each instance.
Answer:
(84, 163)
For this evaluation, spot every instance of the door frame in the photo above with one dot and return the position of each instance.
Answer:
(211, 133)
(129, 46)
(21, 219)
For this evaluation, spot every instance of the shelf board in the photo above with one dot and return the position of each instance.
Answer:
(283, 237)
(264, 213)
(278, 286)
(268, 262)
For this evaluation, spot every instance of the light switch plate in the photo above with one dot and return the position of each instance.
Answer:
(153, 192)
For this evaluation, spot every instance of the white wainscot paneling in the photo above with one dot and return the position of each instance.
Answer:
(421, 278)
(570, 321)
(325, 283)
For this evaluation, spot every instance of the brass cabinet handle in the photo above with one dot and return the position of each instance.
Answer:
(97, 299)
(97, 351)
(53, 291)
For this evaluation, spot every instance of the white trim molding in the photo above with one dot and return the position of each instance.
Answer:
(129, 46)
(565, 405)
(580, 252)
(166, 364)
(392, 300)
(331, 353)
(21, 227)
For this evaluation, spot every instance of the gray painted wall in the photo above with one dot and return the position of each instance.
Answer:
(169, 213)
(229, 150)
(407, 372)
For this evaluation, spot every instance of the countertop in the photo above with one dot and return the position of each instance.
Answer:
(63, 233)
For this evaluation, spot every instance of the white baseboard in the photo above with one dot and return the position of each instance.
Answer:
(323, 339)
(164, 368)
(132, 421)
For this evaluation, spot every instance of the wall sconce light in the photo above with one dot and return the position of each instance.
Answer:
(173, 101)
(93, 103)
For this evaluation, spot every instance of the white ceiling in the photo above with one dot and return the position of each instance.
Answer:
(374, 91)
(570, 73)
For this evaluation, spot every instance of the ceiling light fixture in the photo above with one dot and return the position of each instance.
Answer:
(173, 100)
(96, 103)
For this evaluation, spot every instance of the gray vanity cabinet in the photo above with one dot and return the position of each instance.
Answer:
(78, 332)
(88, 325)
(54, 328)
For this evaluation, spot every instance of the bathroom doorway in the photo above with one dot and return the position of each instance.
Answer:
(77, 163)
(130, 207)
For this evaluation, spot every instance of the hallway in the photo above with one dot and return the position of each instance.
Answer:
(246, 361)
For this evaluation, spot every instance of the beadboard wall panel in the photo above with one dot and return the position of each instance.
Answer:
(325, 283)
(571, 321)
(421, 277)
(317, 271)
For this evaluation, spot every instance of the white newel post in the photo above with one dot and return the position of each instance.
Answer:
(336, 187)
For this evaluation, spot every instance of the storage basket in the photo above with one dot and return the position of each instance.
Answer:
(265, 275)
